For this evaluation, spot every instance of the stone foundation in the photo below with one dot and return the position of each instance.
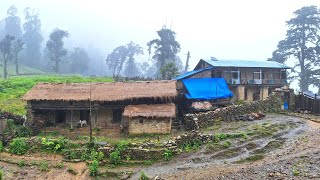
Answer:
(194, 121)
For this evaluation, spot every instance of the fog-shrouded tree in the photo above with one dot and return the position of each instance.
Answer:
(32, 37)
(79, 61)
(13, 23)
(302, 44)
(132, 69)
(169, 71)
(6, 50)
(122, 54)
(17, 47)
(55, 47)
(165, 48)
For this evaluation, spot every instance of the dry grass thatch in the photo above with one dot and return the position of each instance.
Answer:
(154, 110)
(115, 91)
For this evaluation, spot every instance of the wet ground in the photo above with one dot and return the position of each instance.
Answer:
(277, 147)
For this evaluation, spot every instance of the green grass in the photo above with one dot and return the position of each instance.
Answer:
(22, 70)
(14, 88)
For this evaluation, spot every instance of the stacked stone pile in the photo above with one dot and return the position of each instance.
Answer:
(271, 104)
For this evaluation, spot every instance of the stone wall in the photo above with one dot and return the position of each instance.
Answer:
(271, 104)
(152, 126)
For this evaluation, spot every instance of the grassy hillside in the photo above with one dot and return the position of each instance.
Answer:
(22, 70)
(15, 87)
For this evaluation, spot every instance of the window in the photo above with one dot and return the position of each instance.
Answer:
(283, 74)
(235, 74)
(116, 115)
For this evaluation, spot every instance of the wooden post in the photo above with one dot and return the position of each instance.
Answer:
(95, 117)
(90, 124)
(71, 124)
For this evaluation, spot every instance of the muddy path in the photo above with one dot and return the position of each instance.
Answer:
(273, 149)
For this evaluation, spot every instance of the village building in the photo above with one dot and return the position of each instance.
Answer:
(144, 118)
(248, 80)
(140, 107)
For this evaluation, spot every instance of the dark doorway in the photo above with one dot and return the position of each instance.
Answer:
(60, 116)
(116, 115)
(256, 96)
(85, 115)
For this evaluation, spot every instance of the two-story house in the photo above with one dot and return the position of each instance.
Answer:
(248, 80)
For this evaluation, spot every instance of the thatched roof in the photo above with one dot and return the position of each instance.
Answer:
(115, 91)
(154, 110)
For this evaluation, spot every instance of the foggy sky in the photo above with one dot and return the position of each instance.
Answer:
(229, 29)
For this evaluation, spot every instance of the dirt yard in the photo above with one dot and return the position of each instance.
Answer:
(279, 147)
(276, 147)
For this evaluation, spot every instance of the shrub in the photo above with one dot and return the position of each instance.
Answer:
(1, 146)
(191, 146)
(93, 167)
(23, 131)
(97, 155)
(167, 154)
(115, 157)
(143, 176)
(227, 144)
(21, 163)
(18, 146)
(122, 145)
(10, 125)
(53, 145)
(44, 166)
(60, 165)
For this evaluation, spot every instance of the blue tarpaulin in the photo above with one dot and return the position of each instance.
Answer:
(207, 88)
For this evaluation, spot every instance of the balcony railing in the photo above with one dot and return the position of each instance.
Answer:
(258, 81)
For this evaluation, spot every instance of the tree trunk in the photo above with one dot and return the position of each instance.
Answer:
(17, 66)
(5, 73)
(57, 66)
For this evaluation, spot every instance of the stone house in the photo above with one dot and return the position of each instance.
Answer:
(155, 118)
(102, 104)
(248, 80)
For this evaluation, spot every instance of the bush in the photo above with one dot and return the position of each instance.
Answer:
(167, 154)
(143, 176)
(18, 146)
(93, 167)
(226, 144)
(97, 155)
(191, 146)
(23, 131)
(21, 163)
(60, 165)
(1, 146)
(115, 157)
(44, 166)
(122, 145)
(53, 145)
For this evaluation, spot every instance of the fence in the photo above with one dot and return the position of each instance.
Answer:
(308, 102)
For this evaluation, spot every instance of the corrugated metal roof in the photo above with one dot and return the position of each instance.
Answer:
(246, 63)
(190, 73)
